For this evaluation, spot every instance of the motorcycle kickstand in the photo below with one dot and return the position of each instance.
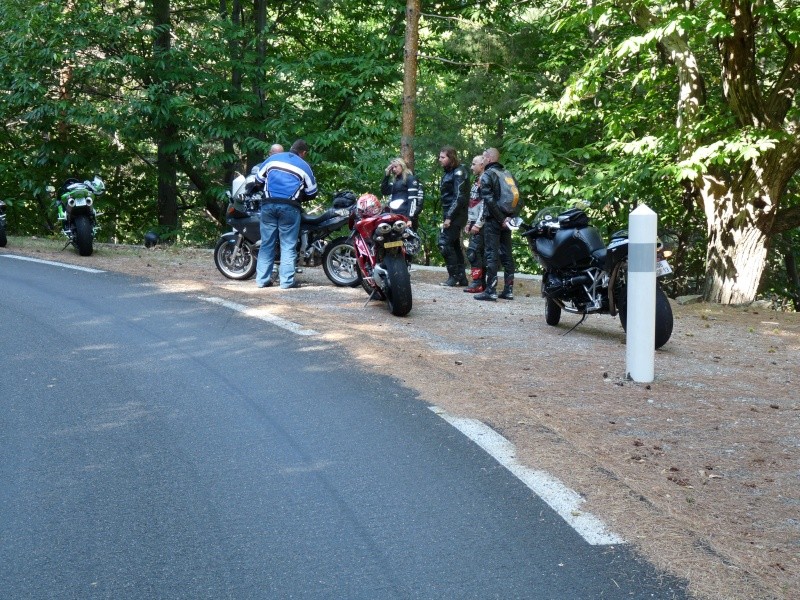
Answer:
(583, 318)
(368, 299)
(67, 245)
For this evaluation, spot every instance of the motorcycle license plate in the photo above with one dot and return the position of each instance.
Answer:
(663, 268)
(80, 201)
(395, 244)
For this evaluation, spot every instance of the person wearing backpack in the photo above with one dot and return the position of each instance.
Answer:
(454, 193)
(500, 194)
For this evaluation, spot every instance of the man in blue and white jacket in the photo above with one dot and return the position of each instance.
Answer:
(288, 181)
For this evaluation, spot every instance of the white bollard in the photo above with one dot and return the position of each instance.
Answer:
(641, 318)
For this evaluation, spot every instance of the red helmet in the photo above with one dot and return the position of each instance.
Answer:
(367, 205)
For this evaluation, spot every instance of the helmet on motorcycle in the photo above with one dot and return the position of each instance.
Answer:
(97, 185)
(151, 239)
(367, 205)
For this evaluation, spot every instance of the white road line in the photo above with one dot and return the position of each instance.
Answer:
(559, 497)
(50, 262)
(263, 314)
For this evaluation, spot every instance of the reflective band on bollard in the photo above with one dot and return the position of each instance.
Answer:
(641, 317)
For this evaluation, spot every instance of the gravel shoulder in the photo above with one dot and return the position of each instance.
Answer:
(700, 469)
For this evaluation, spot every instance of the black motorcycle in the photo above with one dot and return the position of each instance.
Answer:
(582, 275)
(76, 211)
(3, 238)
(236, 252)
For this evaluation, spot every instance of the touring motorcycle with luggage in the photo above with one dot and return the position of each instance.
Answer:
(376, 255)
(236, 252)
(582, 275)
(77, 213)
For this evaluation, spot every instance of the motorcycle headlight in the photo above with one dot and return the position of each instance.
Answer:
(400, 226)
(383, 229)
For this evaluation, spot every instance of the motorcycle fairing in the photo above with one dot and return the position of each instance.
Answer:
(616, 252)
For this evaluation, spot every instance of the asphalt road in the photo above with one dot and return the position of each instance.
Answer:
(158, 446)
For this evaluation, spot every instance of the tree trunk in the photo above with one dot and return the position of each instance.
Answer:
(734, 269)
(234, 50)
(166, 135)
(254, 157)
(410, 82)
(741, 212)
(740, 205)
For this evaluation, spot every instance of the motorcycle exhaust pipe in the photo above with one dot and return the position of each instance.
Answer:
(558, 287)
(380, 274)
(578, 281)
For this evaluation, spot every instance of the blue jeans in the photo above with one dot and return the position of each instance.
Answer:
(278, 222)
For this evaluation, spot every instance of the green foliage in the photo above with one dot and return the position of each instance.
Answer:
(581, 103)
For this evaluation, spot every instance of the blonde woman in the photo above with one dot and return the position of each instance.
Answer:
(403, 189)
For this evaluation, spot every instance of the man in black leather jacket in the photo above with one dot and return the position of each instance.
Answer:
(496, 234)
(454, 190)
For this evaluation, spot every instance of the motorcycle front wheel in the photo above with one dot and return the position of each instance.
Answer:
(340, 264)
(664, 319)
(398, 292)
(235, 264)
(83, 235)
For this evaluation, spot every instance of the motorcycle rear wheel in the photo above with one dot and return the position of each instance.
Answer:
(664, 318)
(398, 292)
(340, 264)
(83, 235)
(552, 312)
(239, 265)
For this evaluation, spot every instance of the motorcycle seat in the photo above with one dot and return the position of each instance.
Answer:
(317, 219)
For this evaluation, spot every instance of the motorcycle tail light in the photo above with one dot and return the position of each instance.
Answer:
(383, 228)
(399, 226)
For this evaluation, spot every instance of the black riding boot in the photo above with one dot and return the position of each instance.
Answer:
(461, 276)
(490, 293)
(452, 280)
(508, 289)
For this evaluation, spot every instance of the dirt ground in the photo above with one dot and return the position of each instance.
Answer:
(700, 470)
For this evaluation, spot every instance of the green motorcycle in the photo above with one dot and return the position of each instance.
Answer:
(76, 212)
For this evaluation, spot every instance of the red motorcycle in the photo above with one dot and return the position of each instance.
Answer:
(374, 255)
